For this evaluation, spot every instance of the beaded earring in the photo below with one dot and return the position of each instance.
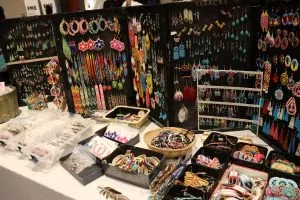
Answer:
(176, 53)
(181, 51)
(66, 48)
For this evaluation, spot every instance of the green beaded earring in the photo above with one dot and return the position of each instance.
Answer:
(237, 22)
(242, 33)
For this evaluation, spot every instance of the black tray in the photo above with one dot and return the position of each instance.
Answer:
(239, 146)
(178, 190)
(198, 168)
(232, 139)
(223, 156)
(284, 156)
(140, 180)
(87, 175)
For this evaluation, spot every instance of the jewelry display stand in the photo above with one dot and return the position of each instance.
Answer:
(223, 98)
(27, 48)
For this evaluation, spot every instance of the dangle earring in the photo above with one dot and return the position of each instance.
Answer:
(296, 19)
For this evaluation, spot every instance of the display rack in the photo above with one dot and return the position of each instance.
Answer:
(222, 87)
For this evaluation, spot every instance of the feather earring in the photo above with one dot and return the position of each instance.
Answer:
(110, 193)
(66, 48)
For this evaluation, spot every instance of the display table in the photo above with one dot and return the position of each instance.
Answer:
(20, 181)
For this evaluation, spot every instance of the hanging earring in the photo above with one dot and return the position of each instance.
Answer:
(183, 114)
(296, 19)
(284, 19)
(175, 53)
(278, 39)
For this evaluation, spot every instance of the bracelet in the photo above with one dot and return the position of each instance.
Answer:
(62, 26)
(92, 28)
(72, 30)
(81, 29)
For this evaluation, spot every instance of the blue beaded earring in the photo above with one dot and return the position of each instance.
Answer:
(175, 53)
(286, 116)
(181, 51)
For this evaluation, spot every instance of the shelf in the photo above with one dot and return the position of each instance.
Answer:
(229, 104)
(228, 118)
(232, 71)
(29, 61)
(229, 88)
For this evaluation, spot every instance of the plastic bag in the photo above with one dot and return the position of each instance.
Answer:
(79, 160)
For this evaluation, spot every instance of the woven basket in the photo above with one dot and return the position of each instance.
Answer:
(169, 153)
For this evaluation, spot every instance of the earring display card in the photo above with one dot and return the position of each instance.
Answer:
(148, 64)
(27, 38)
(94, 60)
(277, 56)
(202, 40)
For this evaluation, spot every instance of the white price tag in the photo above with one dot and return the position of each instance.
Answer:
(2, 84)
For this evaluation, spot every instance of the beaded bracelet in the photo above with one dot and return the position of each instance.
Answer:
(92, 24)
(81, 29)
(62, 26)
(72, 30)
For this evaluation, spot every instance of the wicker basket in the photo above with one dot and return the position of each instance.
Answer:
(110, 116)
(169, 153)
(9, 106)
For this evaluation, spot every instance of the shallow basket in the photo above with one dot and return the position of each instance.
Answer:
(169, 153)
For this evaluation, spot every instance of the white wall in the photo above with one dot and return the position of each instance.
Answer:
(13, 8)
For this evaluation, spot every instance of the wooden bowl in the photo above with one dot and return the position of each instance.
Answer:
(169, 153)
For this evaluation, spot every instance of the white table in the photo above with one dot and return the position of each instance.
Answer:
(19, 181)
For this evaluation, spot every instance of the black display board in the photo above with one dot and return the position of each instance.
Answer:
(208, 43)
(27, 38)
(147, 35)
(27, 43)
(279, 125)
(110, 60)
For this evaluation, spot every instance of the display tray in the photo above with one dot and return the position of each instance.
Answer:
(132, 142)
(247, 171)
(239, 146)
(112, 115)
(177, 191)
(140, 180)
(196, 169)
(275, 155)
(223, 156)
(216, 137)
(87, 175)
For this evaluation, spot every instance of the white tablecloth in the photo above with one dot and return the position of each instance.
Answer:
(19, 181)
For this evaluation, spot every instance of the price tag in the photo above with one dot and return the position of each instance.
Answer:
(2, 84)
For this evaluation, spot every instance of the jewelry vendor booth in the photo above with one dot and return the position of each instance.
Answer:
(190, 100)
